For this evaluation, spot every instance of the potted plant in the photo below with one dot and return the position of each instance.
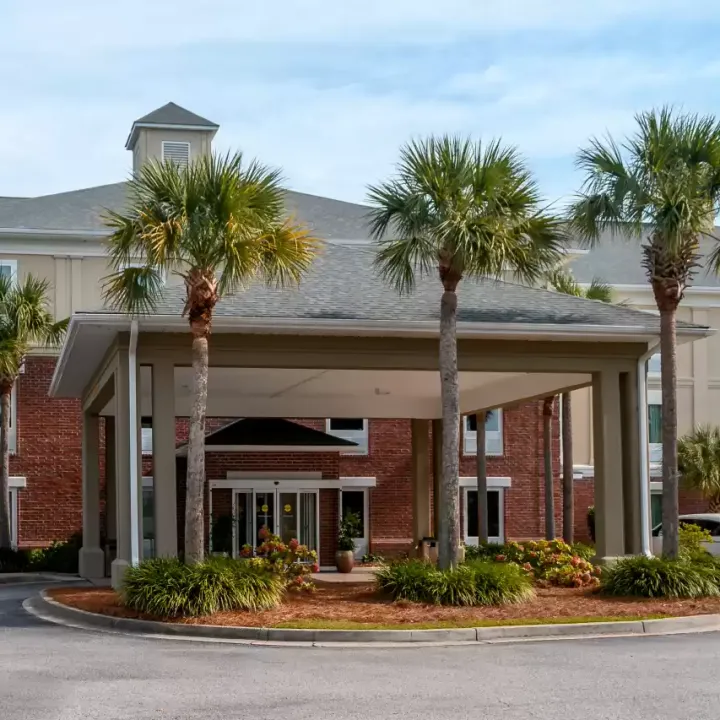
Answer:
(349, 530)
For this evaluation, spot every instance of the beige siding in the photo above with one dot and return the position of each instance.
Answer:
(698, 387)
(149, 143)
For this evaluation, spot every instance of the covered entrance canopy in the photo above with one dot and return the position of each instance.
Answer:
(345, 345)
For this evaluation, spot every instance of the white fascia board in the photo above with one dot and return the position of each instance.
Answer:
(358, 482)
(492, 482)
(17, 482)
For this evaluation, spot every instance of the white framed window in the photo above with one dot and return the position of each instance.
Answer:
(496, 515)
(12, 436)
(177, 152)
(493, 433)
(13, 517)
(146, 436)
(8, 268)
(654, 365)
(352, 429)
(655, 425)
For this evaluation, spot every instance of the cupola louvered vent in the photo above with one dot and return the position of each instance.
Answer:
(177, 152)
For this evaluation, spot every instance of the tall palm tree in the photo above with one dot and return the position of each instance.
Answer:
(699, 463)
(661, 185)
(26, 323)
(218, 225)
(562, 281)
(459, 209)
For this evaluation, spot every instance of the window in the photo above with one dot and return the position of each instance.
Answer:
(12, 437)
(495, 516)
(8, 268)
(655, 425)
(146, 436)
(654, 364)
(352, 429)
(13, 517)
(176, 152)
(493, 433)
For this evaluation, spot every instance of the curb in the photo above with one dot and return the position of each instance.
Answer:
(49, 610)
(34, 578)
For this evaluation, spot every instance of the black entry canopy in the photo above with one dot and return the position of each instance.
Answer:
(272, 435)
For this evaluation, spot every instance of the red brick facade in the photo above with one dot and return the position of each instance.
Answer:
(49, 457)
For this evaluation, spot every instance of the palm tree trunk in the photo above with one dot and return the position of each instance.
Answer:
(194, 504)
(482, 506)
(567, 470)
(5, 394)
(547, 457)
(668, 380)
(449, 525)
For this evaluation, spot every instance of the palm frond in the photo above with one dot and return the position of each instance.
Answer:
(136, 290)
(699, 460)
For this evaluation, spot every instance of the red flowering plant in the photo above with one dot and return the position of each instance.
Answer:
(295, 562)
(551, 562)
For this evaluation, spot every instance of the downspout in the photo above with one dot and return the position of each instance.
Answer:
(133, 427)
(643, 434)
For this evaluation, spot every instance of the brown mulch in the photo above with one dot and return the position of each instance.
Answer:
(360, 603)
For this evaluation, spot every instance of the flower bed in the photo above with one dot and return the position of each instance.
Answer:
(358, 605)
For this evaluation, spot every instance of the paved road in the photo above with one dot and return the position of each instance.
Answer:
(53, 673)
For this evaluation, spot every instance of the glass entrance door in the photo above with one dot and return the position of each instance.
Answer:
(290, 514)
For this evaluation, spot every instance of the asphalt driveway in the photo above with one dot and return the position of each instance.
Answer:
(49, 672)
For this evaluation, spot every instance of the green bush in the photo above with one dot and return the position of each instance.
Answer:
(14, 561)
(485, 551)
(60, 557)
(586, 552)
(690, 539)
(659, 577)
(474, 583)
(168, 588)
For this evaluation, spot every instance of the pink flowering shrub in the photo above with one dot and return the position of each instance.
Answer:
(551, 562)
(293, 561)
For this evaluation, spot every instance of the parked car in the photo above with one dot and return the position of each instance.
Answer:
(706, 521)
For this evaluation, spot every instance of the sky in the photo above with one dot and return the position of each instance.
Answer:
(329, 90)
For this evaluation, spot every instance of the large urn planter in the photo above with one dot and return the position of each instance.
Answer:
(344, 561)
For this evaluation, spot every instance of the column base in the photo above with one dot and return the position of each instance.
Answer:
(91, 561)
(608, 559)
(117, 573)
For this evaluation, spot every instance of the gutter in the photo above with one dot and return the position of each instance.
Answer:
(133, 424)
(643, 438)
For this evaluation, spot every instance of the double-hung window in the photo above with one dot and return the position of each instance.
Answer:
(9, 269)
(655, 425)
(352, 429)
(493, 433)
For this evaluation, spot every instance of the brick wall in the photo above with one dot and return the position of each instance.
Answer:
(49, 456)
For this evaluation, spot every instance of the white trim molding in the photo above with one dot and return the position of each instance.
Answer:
(358, 483)
(272, 475)
(272, 449)
(17, 482)
(492, 482)
(583, 472)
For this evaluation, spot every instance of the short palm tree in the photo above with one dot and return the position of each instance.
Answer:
(26, 323)
(661, 185)
(562, 281)
(218, 224)
(699, 463)
(458, 209)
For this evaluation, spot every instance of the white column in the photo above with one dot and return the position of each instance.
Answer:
(92, 558)
(163, 448)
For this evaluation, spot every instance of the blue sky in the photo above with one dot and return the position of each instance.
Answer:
(329, 90)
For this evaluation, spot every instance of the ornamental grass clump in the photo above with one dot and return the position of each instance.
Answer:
(168, 588)
(658, 577)
(474, 583)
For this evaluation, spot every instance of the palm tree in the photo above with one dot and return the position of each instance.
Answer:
(699, 463)
(563, 282)
(459, 209)
(661, 185)
(218, 225)
(25, 323)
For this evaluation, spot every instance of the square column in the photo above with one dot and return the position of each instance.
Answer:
(128, 505)
(163, 449)
(631, 463)
(420, 479)
(608, 446)
(91, 558)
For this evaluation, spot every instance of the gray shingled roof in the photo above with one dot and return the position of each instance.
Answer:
(343, 285)
(172, 114)
(83, 210)
(617, 260)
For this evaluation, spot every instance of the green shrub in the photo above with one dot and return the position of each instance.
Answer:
(168, 588)
(551, 561)
(690, 539)
(484, 551)
(14, 561)
(474, 583)
(659, 577)
(586, 552)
